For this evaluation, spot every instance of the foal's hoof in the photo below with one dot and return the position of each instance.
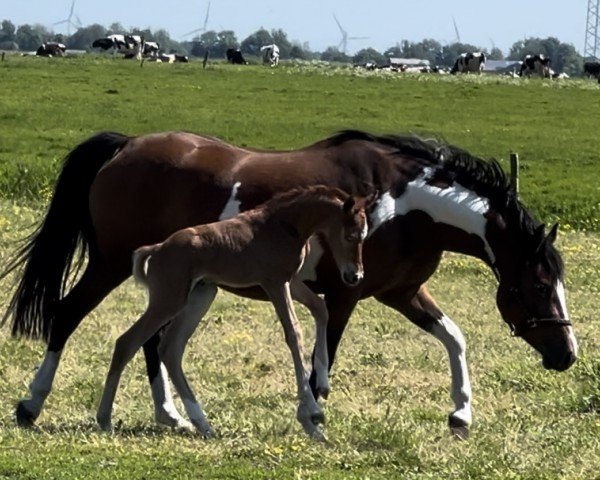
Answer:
(323, 392)
(458, 427)
(25, 419)
(317, 418)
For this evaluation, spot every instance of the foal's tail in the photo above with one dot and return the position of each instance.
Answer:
(140, 259)
(56, 250)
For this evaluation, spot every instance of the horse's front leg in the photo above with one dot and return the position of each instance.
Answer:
(318, 309)
(422, 310)
(309, 413)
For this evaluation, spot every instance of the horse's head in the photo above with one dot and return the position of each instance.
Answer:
(346, 238)
(531, 299)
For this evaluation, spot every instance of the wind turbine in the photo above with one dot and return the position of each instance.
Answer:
(456, 30)
(343, 45)
(69, 21)
(203, 27)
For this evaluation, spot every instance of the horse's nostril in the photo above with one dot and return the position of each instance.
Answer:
(569, 359)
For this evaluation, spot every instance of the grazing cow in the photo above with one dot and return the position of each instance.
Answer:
(592, 70)
(270, 55)
(51, 49)
(539, 64)
(234, 56)
(469, 62)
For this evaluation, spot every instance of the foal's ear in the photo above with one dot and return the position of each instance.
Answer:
(349, 204)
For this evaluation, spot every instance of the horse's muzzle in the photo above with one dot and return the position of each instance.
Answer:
(352, 278)
(559, 364)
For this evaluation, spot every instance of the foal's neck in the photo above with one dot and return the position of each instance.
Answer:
(307, 215)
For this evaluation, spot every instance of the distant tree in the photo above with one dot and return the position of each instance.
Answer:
(333, 54)
(563, 56)
(495, 54)
(31, 37)
(83, 38)
(251, 44)
(369, 55)
(115, 28)
(167, 44)
(7, 33)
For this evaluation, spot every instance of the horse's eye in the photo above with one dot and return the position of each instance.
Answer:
(542, 288)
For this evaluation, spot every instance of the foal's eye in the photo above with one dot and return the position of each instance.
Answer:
(542, 288)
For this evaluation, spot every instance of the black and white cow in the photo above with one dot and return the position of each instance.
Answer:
(234, 56)
(538, 64)
(151, 49)
(592, 70)
(469, 62)
(270, 55)
(51, 49)
(172, 58)
(131, 45)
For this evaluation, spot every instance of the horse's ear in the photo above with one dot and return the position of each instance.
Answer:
(538, 238)
(349, 204)
(552, 235)
(371, 199)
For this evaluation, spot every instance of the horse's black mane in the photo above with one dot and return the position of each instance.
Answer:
(485, 177)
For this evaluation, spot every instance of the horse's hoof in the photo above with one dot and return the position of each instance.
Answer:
(25, 419)
(458, 427)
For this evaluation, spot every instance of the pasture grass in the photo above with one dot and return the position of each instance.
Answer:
(49, 105)
(386, 415)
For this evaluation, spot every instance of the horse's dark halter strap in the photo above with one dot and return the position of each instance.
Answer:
(532, 322)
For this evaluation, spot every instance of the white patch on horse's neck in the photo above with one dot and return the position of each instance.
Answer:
(232, 207)
(456, 206)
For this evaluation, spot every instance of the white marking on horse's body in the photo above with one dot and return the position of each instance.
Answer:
(447, 332)
(232, 207)
(455, 205)
(165, 411)
(560, 291)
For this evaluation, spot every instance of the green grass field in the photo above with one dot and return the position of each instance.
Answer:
(386, 415)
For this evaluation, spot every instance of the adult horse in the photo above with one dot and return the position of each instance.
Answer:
(116, 193)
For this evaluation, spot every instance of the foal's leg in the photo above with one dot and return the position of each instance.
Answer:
(95, 283)
(318, 309)
(309, 413)
(172, 346)
(422, 310)
(156, 315)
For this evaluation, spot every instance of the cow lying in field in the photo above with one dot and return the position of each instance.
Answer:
(51, 49)
(234, 56)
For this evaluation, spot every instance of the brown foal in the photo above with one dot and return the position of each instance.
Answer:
(263, 247)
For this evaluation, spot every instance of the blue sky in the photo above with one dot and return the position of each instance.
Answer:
(385, 22)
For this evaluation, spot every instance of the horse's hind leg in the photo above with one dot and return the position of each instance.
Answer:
(422, 310)
(95, 283)
(172, 346)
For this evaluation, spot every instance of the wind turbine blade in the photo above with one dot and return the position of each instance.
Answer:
(78, 21)
(61, 22)
(72, 8)
(456, 30)
(206, 17)
(358, 38)
(339, 24)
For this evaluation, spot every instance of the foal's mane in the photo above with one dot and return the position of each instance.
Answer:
(300, 193)
(485, 177)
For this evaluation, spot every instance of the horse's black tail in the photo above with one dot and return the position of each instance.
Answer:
(49, 256)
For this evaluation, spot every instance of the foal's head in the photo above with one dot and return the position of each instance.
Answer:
(345, 234)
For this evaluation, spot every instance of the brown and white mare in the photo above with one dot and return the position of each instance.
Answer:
(263, 247)
(116, 193)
